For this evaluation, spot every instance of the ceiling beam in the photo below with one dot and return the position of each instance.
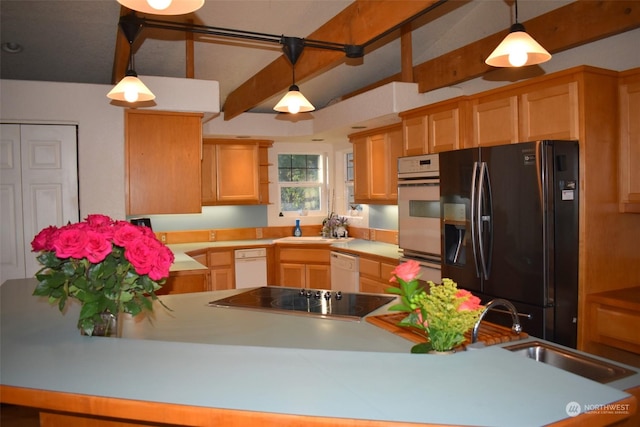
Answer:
(122, 52)
(358, 23)
(575, 24)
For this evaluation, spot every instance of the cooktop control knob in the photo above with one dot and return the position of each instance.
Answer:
(327, 295)
(338, 295)
(318, 295)
(301, 293)
(309, 294)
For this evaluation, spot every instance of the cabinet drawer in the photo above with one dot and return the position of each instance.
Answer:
(220, 258)
(385, 270)
(617, 327)
(304, 255)
(369, 267)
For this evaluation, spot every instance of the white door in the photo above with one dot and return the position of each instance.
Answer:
(39, 187)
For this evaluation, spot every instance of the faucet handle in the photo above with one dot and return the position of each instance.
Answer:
(516, 328)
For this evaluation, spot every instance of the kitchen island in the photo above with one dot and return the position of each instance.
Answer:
(202, 365)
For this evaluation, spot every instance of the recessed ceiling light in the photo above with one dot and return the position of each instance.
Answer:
(317, 139)
(358, 127)
(243, 137)
(10, 47)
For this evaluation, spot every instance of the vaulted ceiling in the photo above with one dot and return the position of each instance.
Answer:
(79, 41)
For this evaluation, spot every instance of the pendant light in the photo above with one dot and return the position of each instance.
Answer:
(517, 49)
(294, 101)
(130, 88)
(163, 7)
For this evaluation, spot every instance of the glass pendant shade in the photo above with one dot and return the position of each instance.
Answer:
(163, 7)
(294, 102)
(131, 89)
(518, 49)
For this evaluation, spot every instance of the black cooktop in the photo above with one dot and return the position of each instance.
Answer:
(321, 303)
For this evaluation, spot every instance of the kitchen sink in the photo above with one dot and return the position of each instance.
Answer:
(312, 239)
(576, 363)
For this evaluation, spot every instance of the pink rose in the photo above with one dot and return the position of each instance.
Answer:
(142, 254)
(125, 233)
(43, 241)
(471, 302)
(164, 259)
(71, 242)
(98, 247)
(407, 271)
(98, 220)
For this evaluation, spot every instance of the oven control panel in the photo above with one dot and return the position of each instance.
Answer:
(422, 166)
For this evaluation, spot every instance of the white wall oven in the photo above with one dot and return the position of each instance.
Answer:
(419, 212)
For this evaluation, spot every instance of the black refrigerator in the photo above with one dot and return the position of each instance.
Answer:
(509, 218)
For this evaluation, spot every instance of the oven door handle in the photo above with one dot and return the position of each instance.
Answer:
(418, 182)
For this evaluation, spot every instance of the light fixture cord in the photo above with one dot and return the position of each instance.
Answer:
(516, 7)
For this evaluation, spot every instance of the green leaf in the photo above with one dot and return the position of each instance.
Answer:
(423, 347)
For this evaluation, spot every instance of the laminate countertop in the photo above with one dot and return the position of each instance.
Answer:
(281, 365)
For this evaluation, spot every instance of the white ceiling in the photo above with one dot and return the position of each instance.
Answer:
(74, 41)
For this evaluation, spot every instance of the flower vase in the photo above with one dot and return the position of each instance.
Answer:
(107, 326)
(442, 352)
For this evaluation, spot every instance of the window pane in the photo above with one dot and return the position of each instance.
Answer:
(296, 198)
(298, 160)
(284, 161)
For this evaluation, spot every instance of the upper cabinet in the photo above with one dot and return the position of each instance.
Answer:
(434, 128)
(545, 110)
(162, 162)
(629, 150)
(375, 159)
(234, 172)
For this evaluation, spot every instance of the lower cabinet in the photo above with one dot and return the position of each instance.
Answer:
(220, 263)
(181, 282)
(303, 267)
(375, 274)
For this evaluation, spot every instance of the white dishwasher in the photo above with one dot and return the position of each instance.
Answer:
(251, 267)
(345, 272)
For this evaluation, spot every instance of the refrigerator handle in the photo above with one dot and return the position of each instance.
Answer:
(474, 204)
(484, 198)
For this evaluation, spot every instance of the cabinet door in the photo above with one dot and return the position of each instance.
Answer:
(209, 177)
(550, 113)
(372, 286)
(444, 130)
(394, 150)
(361, 169)
(292, 275)
(318, 276)
(379, 181)
(222, 278)
(162, 162)
(415, 135)
(629, 155)
(495, 122)
(237, 169)
(185, 283)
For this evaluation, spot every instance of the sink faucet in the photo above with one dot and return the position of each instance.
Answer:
(497, 303)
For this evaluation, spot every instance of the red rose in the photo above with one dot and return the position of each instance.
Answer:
(44, 239)
(141, 254)
(98, 220)
(125, 233)
(407, 271)
(164, 259)
(70, 242)
(98, 247)
(471, 302)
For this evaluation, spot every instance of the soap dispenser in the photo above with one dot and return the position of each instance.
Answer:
(297, 231)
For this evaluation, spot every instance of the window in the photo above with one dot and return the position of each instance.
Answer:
(300, 180)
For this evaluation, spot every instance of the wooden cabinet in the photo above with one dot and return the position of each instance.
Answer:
(375, 159)
(162, 162)
(303, 267)
(234, 173)
(550, 112)
(435, 128)
(614, 319)
(494, 120)
(221, 266)
(181, 282)
(375, 274)
(546, 110)
(629, 149)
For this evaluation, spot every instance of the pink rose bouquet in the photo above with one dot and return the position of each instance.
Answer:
(445, 313)
(109, 266)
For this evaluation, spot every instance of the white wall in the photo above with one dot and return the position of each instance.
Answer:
(100, 134)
